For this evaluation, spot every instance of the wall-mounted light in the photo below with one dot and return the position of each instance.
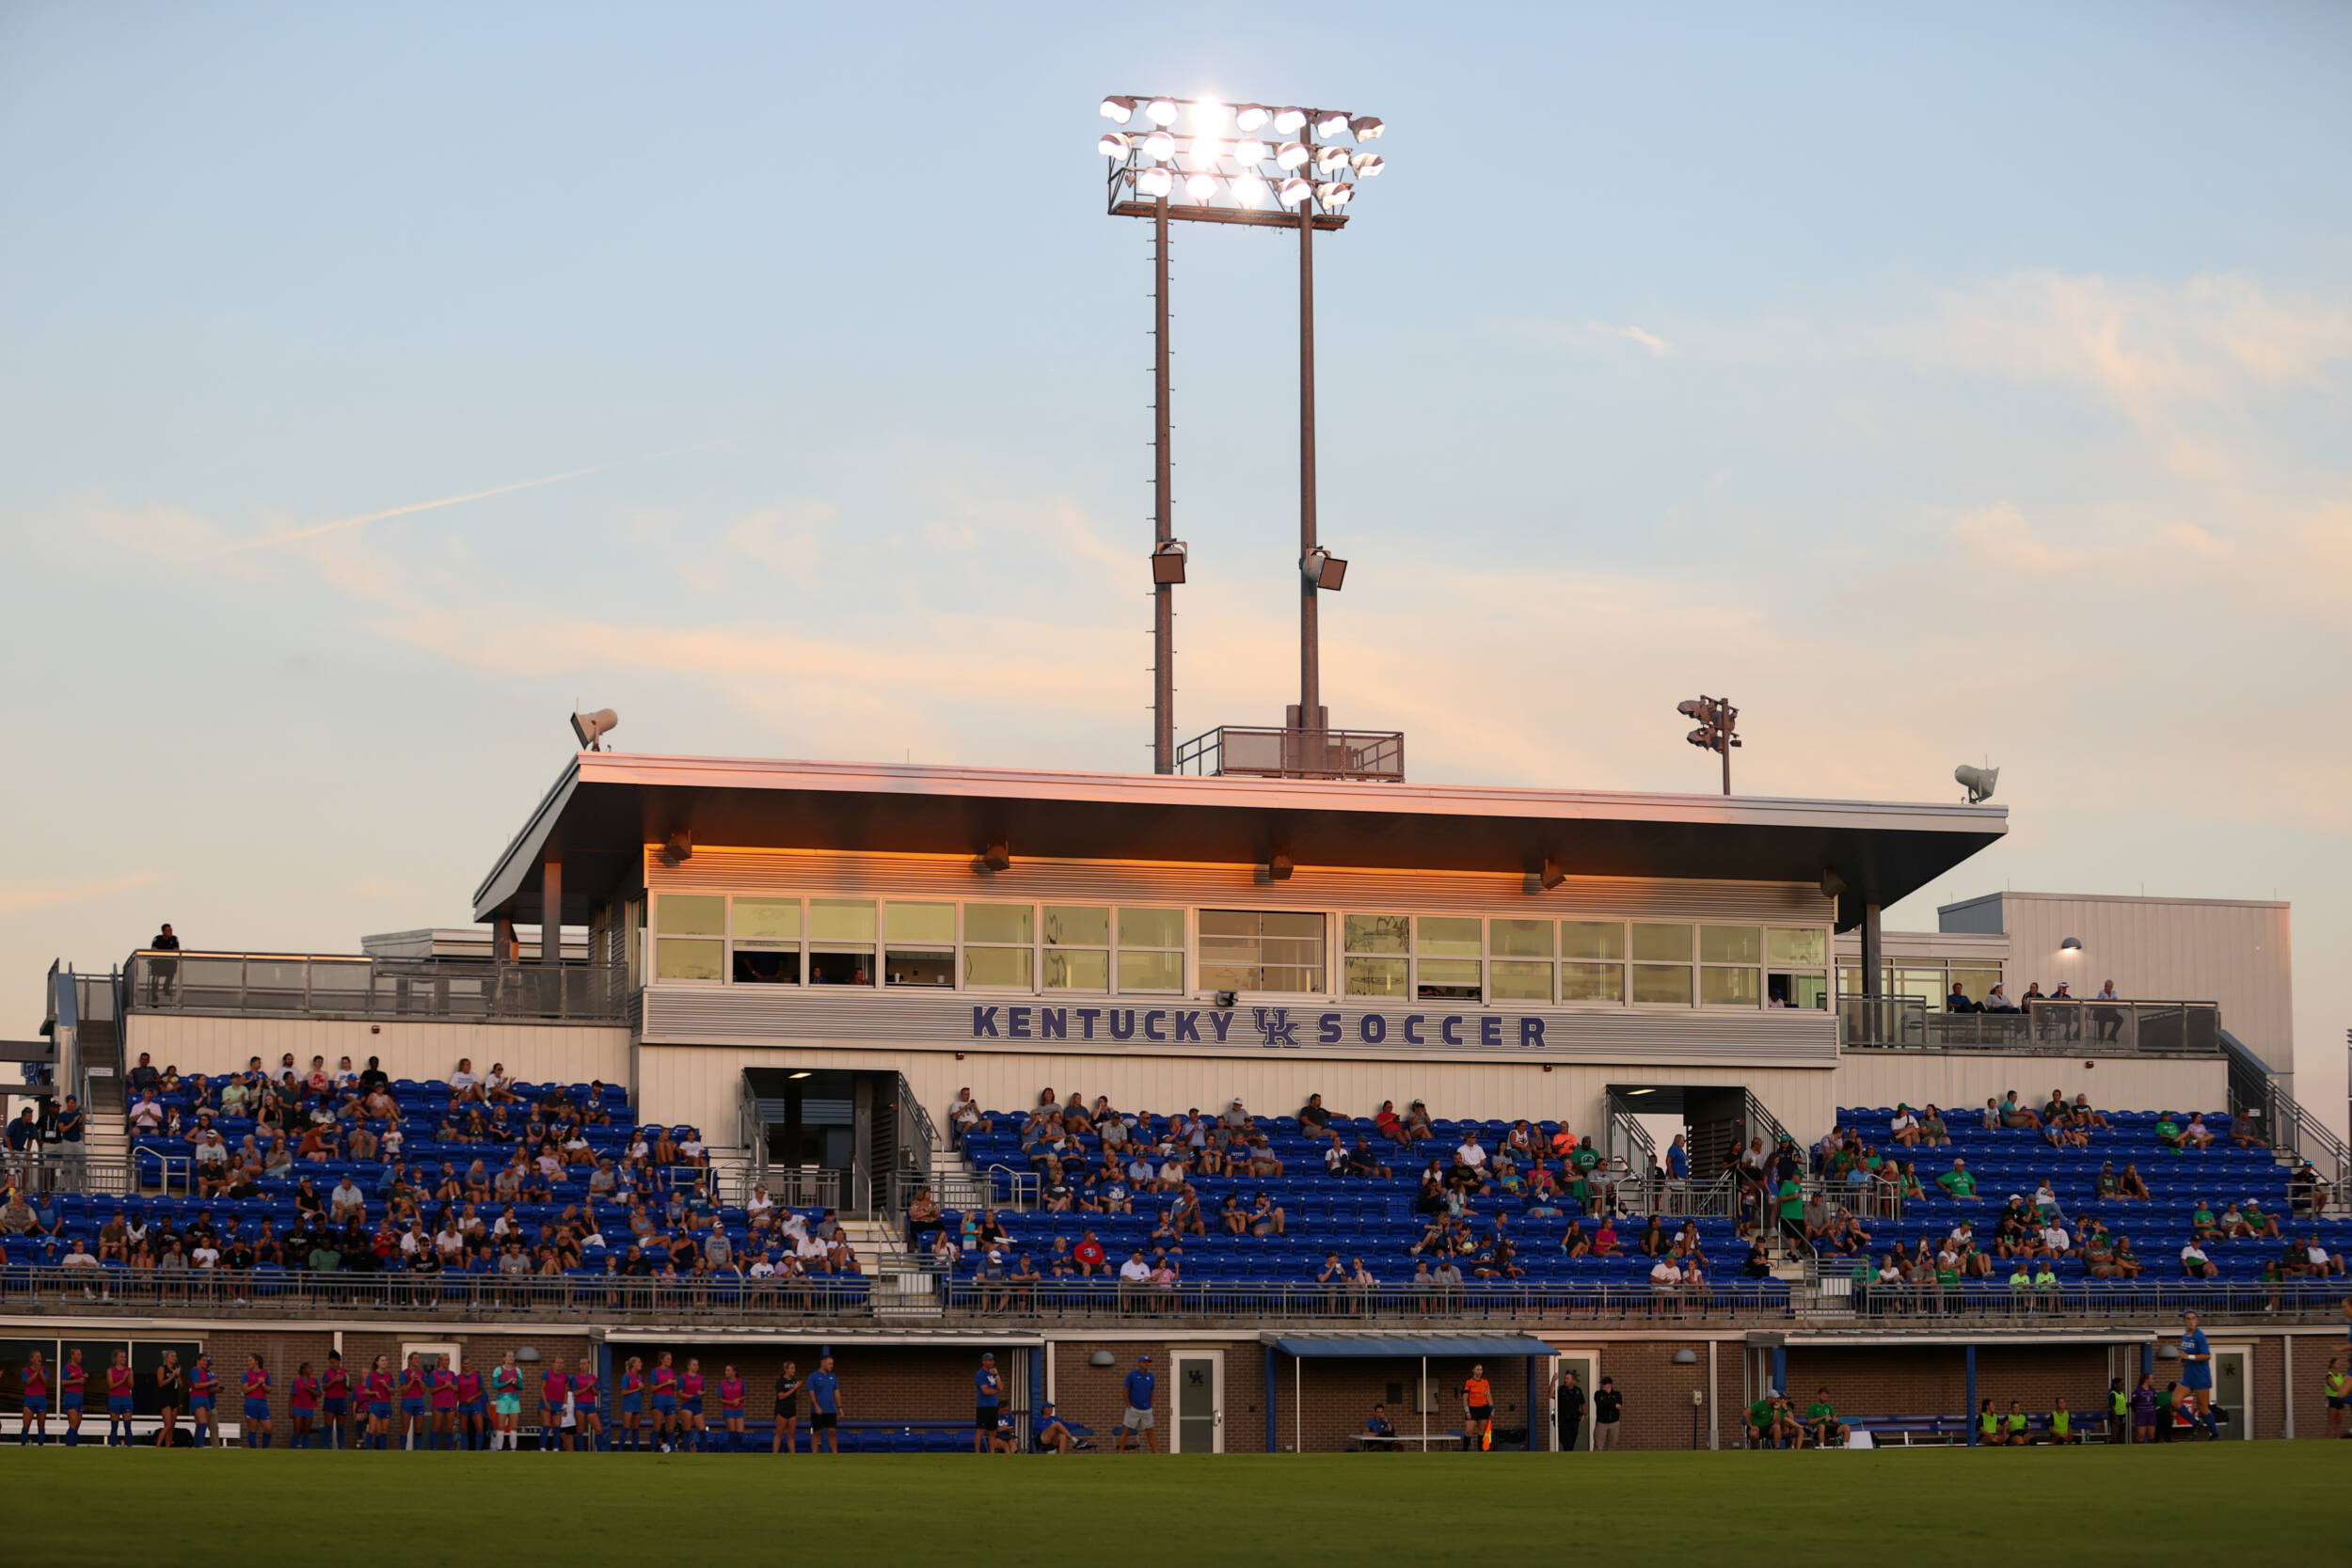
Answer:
(1686, 1356)
(1277, 868)
(2072, 944)
(1102, 1358)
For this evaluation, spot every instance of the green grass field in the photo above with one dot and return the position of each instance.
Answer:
(2281, 1502)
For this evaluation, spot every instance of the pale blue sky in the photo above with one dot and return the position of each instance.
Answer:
(1943, 387)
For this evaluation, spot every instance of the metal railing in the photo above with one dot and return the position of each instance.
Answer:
(795, 1187)
(1994, 1303)
(305, 986)
(998, 1187)
(71, 1168)
(2280, 1121)
(1236, 751)
(2044, 1028)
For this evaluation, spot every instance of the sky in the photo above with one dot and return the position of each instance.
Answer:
(377, 386)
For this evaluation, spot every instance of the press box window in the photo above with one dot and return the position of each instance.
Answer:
(841, 942)
(920, 944)
(1259, 950)
(1592, 961)
(997, 941)
(1796, 968)
(1520, 955)
(690, 937)
(1151, 950)
(1376, 957)
(1662, 965)
(1447, 958)
(1077, 947)
(767, 946)
(1729, 973)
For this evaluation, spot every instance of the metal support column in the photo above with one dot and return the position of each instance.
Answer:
(1780, 1370)
(1162, 510)
(1971, 1403)
(1534, 1366)
(1310, 657)
(1038, 1398)
(604, 1391)
(551, 911)
(1873, 954)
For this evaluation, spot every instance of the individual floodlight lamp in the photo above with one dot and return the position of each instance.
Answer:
(1116, 143)
(1324, 569)
(1161, 111)
(1367, 127)
(1119, 111)
(1287, 121)
(1168, 560)
(1330, 122)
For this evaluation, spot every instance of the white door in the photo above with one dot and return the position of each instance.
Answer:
(2233, 1388)
(1198, 1422)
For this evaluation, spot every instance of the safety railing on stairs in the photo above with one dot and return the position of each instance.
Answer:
(2286, 1127)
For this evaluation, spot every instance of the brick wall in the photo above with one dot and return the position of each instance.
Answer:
(1933, 1381)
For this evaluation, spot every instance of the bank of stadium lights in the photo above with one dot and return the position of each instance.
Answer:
(1207, 158)
(1716, 717)
(1275, 165)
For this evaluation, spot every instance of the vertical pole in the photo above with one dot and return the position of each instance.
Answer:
(1873, 954)
(1299, 1405)
(1723, 744)
(1273, 1389)
(551, 911)
(2286, 1382)
(1310, 659)
(1714, 1432)
(1534, 1365)
(1162, 510)
(1971, 1401)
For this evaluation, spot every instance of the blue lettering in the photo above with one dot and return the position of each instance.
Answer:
(1327, 1029)
(1152, 1024)
(1017, 1022)
(1053, 1023)
(1412, 1029)
(1221, 1020)
(1445, 1029)
(1127, 1032)
(1490, 1031)
(983, 1022)
(1086, 1020)
(1187, 1026)
(1532, 1031)
(1372, 1028)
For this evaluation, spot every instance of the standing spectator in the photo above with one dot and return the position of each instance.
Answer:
(1608, 1408)
(2338, 1387)
(990, 1390)
(1571, 1411)
(824, 1407)
(162, 971)
(1141, 1385)
(788, 1409)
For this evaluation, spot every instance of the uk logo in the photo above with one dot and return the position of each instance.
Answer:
(1274, 1027)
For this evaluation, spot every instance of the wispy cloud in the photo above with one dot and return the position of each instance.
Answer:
(18, 896)
(1657, 345)
(291, 536)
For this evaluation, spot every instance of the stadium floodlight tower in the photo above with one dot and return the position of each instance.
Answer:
(1271, 166)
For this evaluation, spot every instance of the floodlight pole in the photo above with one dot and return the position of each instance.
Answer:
(1309, 657)
(1162, 512)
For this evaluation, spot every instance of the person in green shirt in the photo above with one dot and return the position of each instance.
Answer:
(1792, 1211)
(2062, 1425)
(2017, 1425)
(2339, 1390)
(1957, 1183)
(2046, 1280)
(2118, 1413)
(1820, 1419)
(1988, 1426)
(2200, 1220)
(2020, 1278)
(2168, 1132)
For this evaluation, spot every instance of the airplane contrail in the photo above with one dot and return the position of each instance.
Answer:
(292, 535)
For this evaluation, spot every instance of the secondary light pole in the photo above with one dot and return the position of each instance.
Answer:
(1716, 717)
(1204, 161)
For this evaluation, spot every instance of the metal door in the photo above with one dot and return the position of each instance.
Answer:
(2230, 1392)
(1198, 1426)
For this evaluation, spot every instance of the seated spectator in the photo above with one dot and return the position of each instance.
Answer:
(464, 1084)
(2197, 1135)
(1905, 1128)
(2168, 1131)
(2195, 1264)
(1313, 1118)
(1958, 1001)
(1821, 1417)
(2016, 1115)
(1957, 1183)
(1933, 1132)
(1377, 1426)
(2084, 1116)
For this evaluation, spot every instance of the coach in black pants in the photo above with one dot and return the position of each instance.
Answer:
(1571, 1412)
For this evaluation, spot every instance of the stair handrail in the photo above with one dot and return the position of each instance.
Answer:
(2287, 1128)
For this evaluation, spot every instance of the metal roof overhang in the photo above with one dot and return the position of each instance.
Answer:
(607, 806)
(1360, 1346)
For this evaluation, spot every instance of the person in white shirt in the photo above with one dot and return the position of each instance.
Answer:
(2056, 1240)
(696, 1151)
(760, 1204)
(1135, 1271)
(463, 1085)
(346, 1202)
(450, 1244)
(2195, 1264)
(147, 1115)
(206, 1255)
(344, 1077)
(1665, 1273)
(1905, 1127)
(1471, 1155)
(2106, 993)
